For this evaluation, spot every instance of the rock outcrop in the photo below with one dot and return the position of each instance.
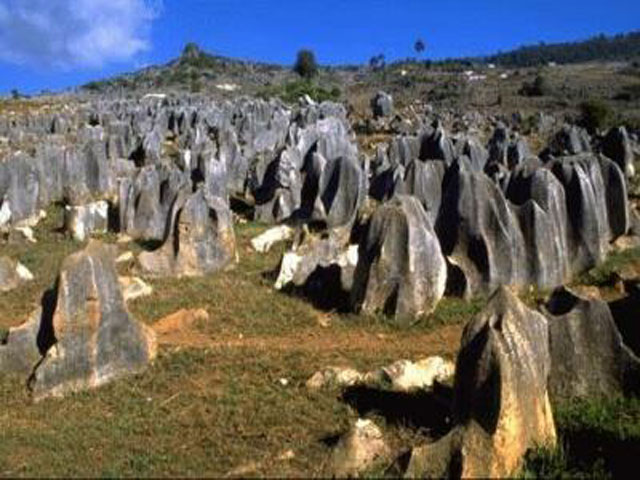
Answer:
(382, 105)
(401, 271)
(82, 221)
(200, 238)
(588, 355)
(84, 336)
(12, 274)
(360, 449)
(617, 146)
(501, 401)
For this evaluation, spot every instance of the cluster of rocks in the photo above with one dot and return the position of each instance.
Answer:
(162, 170)
(515, 363)
(401, 376)
(446, 214)
(514, 366)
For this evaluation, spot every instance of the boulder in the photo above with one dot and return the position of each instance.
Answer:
(437, 146)
(12, 274)
(588, 355)
(145, 201)
(84, 336)
(595, 193)
(334, 377)
(82, 221)
(200, 238)
(382, 105)
(570, 140)
(263, 242)
(333, 191)
(617, 146)
(424, 181)
(406, 376)
(401, 270)
(134, 287)
(479, 234)
(402, 376)
(359, 450)
(501, 401)
(322, 267)
(539, 202)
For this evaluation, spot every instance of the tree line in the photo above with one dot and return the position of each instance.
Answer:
(601, 47)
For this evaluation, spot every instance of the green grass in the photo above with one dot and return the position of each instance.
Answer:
(195, 413)
(601, 274)
(597, 438)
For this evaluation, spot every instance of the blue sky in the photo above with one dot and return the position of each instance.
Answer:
(53, 44)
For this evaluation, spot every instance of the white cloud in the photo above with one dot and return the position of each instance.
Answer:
(75, 33)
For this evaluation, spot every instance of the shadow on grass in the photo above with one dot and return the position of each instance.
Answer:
(421, 410)
(323, 289)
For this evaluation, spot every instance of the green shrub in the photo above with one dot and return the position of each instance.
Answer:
(540, 87)
(292, 91)
(595, 115)
(306, 65)
(629, 93)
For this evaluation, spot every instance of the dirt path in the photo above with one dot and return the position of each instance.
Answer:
(443, 341)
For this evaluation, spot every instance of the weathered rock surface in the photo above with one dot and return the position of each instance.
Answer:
(145, 201)
(12, 274)
(82, 221)
(263, 242)
(401, 270)
(406, 376)
(570, 140)
(359, 450)
(597, 209)
(200, 238)
(401, 376)
(588, 355)
(501, 402)
(479, 233)
(84, 337)
(317, 252)
(334, 377)
(134, 287)
(617, 146)
(382, 105)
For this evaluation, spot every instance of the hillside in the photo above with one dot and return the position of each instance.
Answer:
(622, 47)
(194, 70)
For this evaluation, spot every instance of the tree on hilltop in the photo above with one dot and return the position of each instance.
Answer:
(306, 65)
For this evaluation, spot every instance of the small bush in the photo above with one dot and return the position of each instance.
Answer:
(595, 115)
(539, 88)
(306, 65)
(629, 93)
(292, 91)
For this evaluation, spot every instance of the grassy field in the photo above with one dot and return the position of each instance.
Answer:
(225, 397)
